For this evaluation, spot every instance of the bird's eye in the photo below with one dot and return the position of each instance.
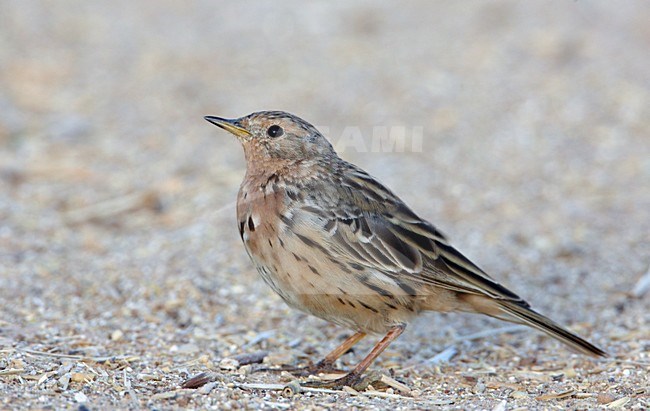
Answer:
(275, 131)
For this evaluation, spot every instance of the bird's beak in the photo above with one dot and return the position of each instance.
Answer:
(232, 126)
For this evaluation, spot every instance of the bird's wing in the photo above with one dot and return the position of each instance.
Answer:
(371, 227)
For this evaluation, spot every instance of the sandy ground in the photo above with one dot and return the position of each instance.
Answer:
(121, 271)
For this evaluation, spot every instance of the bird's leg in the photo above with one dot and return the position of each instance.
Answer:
(327, 363)
(354, 377)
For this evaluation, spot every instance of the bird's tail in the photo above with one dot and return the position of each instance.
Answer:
(544, 324)
(517, 312)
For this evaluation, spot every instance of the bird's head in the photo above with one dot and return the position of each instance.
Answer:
(277, 137)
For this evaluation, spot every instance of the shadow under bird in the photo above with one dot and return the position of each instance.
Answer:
(334, 242)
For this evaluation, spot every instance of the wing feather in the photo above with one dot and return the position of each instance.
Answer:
(380, 232)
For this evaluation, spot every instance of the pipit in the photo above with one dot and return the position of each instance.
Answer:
(336, 243)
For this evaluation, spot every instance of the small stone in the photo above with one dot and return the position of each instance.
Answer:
(291, 389)
(81, 377)
(17, 363)
(245, 370)
(117, 335)
(279, 358)
(164, 395)
(350, 390)
(80, 397)
(251, 358)
(286, 376)
(605, 398)
(197, 381)
(64, 381)
(570, 373)
(187, 348)
(500, 406)
(229, 364)
(207, 388)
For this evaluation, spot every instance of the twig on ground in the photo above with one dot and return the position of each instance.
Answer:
(488, 333)
(115, 206)
(251, 358)
(443, 356)
(642, 286)
(127, 358)
(264, 335)
(280, 387)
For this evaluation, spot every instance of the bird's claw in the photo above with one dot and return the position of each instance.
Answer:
(352, 380)
(313, 369)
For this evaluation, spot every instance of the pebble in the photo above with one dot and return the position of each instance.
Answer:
(189, 348)
(80, 397)
(81, 377)
(605, 398)
(117, 335)
(229, 364)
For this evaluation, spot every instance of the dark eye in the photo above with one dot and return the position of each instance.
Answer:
(275, 131)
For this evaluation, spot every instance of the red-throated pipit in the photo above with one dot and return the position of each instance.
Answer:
(334, 242)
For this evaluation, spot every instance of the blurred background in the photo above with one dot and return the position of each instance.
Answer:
(117, 220)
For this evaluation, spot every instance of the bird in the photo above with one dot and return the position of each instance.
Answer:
(334, 242)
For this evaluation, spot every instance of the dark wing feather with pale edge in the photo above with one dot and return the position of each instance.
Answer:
(381, 232)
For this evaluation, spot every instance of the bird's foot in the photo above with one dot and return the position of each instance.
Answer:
(312, 369)
(351, 379)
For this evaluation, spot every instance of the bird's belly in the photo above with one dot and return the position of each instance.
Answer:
(308, 280)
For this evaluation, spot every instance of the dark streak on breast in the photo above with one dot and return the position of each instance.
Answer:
(241, 228)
